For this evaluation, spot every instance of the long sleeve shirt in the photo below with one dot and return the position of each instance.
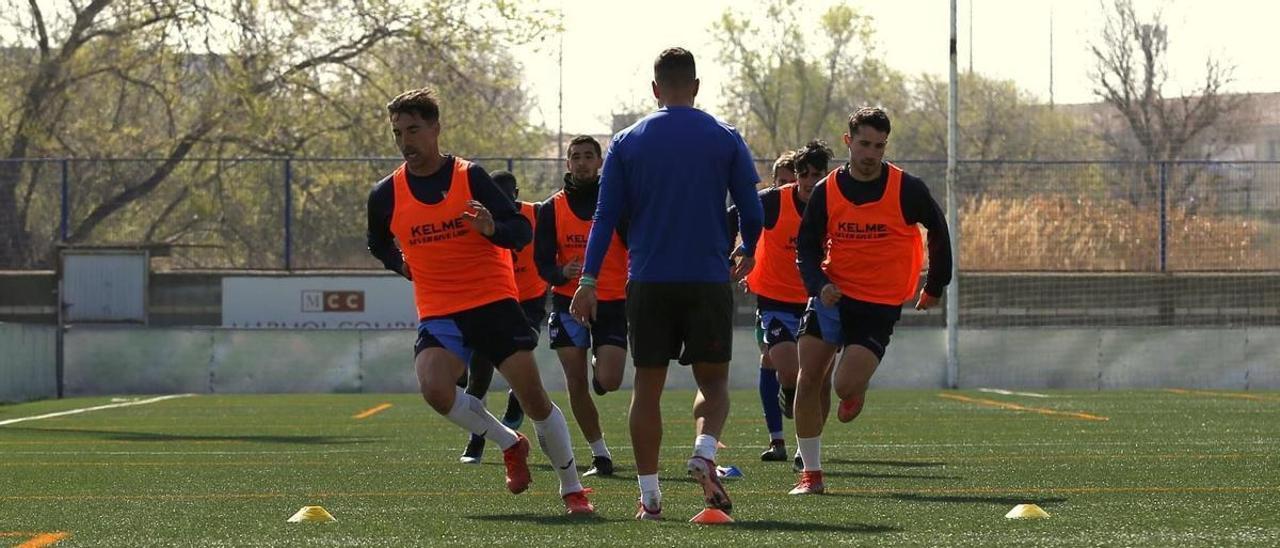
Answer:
(510, 229)
(918, 207)
(582, 201)
(669, 174)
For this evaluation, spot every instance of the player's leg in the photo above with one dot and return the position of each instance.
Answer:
(780, 335)
(853, 375)
(769, 390)
(815, 349)
(654, 342)
(609, 340)
(503, 334)
(535, 313)
(868, 329)
(479, 377)
(707, 338)
(571, 341)
(439, 362)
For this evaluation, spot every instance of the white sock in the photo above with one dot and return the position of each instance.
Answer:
(599, 449)
(470, 413)
(705, 446)
(553, 438)
(775, 435)
(650, 494)
(811, 453)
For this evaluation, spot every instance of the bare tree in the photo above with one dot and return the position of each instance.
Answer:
(1130, 75)
(781, 94)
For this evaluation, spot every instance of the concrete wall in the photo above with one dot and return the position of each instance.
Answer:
(28, 362)
(109, 360)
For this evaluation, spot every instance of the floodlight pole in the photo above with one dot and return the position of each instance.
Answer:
(953, 221)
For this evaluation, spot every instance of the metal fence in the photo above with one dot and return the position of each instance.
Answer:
(307, 213)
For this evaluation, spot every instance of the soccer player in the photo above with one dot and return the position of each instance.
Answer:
(454, 231)
(780, 294)
(560, 243)
(784, 173)
(860, 254)
(669, 174)
(532, 293)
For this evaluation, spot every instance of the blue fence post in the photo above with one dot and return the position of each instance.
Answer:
(1164, 215)
(65, 226)
(511, 165)
(288, 214)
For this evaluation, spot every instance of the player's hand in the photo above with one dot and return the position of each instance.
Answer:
(480, 217)
(926, 301)
(830, 294)
(743, 266)
(743, 285)
(573, 269)
(583, 306)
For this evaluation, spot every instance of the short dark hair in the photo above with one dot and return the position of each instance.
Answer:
(581, 139)
(874, 117)
(786, 160)
(506, 182)
(814, 154)
(420, 101)
(675, 68)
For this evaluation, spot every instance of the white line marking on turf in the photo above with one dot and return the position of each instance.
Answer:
(986, 445)
(1012, 393)
(94, 408)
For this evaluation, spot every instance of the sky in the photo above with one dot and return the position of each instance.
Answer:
(609, 46)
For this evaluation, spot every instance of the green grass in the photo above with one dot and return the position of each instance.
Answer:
(1186, 469)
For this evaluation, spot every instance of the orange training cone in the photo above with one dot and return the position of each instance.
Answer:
(711, 516)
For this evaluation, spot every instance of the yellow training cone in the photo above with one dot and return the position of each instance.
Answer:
(1026, 511)
(312, 514)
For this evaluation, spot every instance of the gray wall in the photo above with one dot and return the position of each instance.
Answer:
(109, 360)
(28, 362)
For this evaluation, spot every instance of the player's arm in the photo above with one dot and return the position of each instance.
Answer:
(381, 241)
(810, 242)
(742, 189)
(731, 218)
(919, 207)
(545, 246)
(624, 229)
(609, 209)
(510, 229)
(771, 204)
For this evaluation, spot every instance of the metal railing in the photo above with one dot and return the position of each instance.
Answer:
(309, 213)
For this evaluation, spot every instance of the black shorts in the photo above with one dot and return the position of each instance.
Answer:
(495, 331)
(852, 322)
(609, 327)
(690, 322)
(535, 311)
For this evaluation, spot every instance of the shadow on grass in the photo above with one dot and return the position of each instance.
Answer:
(544, 519)
(158, 437)
(873, 475)
(894, 463)
(764, 525)
(801, 527)
(999, 500)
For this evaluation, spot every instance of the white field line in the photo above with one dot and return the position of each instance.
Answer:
(415, 451)
(1012, 393)
(94, 408)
